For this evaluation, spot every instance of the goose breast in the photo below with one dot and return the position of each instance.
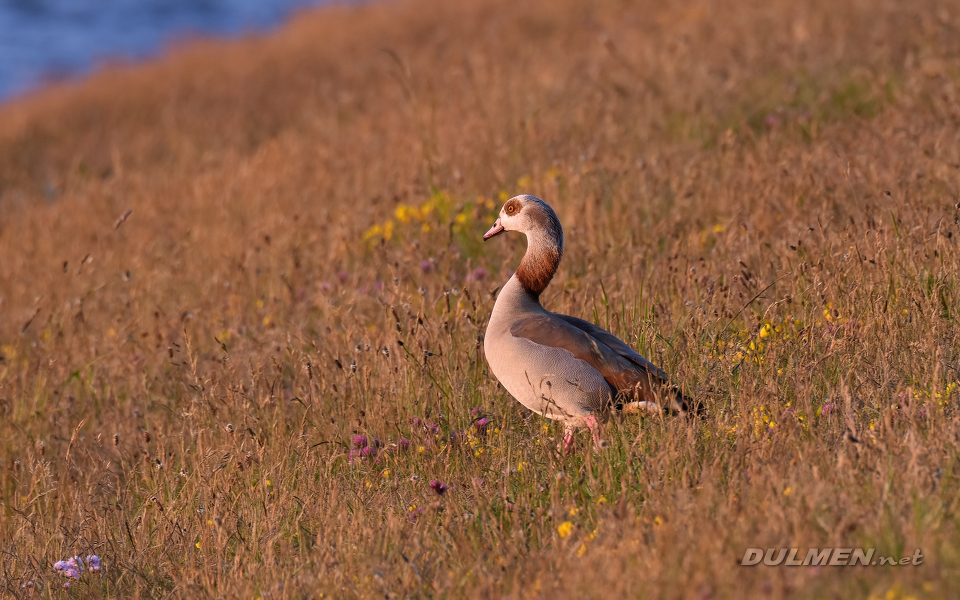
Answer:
(546, 379)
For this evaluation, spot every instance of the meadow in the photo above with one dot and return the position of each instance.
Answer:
(243, 296)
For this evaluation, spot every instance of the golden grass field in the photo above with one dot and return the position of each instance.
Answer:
(761, 197)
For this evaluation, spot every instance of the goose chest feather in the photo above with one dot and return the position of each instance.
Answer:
(559, 366)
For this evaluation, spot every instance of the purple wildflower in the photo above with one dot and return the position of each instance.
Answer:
(368, 452)
(433, 428)
(426, 266)
(826, 408)
(354, 455)
(416, 422)
(68, 568)
(439, 488)
(403, 444)
(478, 274)
(378, 285)
(93, 562)
(771, 120)
(476, 410)
(481, 424)
(360, 441)
(342, 276)
(457, 437)
(478, 481)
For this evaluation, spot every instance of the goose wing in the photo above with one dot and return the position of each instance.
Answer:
(627, 373)
(615, 344)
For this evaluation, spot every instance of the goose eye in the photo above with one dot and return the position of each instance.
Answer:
(511, 208)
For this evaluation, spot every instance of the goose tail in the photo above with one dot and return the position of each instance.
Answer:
(675, 402)
(642, 407)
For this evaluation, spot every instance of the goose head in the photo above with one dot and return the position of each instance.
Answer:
(538, 221)
(529, 215)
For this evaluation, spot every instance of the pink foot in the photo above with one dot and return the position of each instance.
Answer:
(594, 428)
(566, 445)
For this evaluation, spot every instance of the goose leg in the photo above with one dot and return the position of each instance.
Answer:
(594, 428)
(566, 444)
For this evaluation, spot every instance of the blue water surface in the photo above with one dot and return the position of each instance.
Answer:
(42, 40)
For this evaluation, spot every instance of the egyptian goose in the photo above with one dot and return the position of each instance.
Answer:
(562, 367)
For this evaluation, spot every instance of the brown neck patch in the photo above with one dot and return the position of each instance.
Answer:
(537, 269)
(544, 249)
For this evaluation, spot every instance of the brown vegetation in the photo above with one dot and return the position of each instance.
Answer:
(762, 197)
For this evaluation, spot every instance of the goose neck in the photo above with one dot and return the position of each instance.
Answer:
(540, 261)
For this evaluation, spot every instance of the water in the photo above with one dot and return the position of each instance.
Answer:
(41, 40)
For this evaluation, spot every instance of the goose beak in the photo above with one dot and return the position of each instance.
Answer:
(496, 230)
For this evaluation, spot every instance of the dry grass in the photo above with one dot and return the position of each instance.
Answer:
(179, 393)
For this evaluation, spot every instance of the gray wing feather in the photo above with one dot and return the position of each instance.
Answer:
(627, 373)
(615, 344)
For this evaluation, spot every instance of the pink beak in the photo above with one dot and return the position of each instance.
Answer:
(496, 230)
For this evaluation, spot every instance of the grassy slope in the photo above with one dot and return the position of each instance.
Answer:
(179, 394)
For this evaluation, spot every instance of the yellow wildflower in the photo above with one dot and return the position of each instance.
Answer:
(375, 231)
(402, 213)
